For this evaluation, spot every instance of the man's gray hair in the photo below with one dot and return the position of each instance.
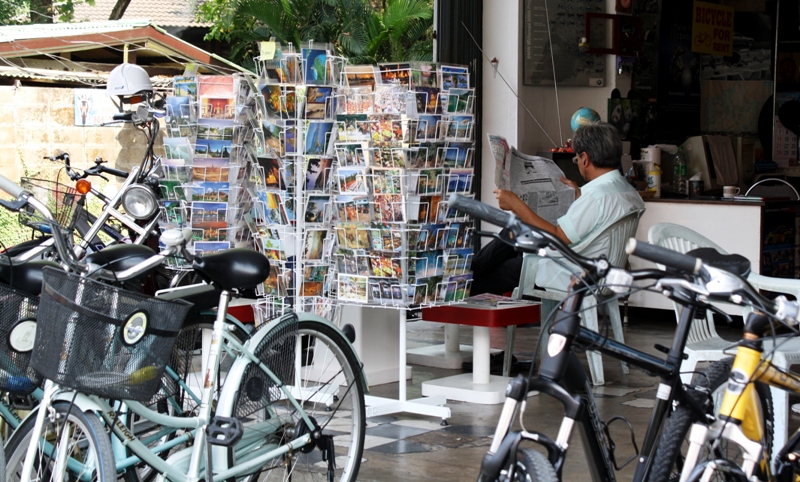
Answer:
(601, 141)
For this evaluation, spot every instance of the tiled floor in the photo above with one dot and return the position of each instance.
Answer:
(405, 447)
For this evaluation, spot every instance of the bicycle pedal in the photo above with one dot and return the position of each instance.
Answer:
(224, 431)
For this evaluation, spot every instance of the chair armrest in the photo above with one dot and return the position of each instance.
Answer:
(527, 276)
(778, 285)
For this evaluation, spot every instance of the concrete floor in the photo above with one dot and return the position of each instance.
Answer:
(407, 447)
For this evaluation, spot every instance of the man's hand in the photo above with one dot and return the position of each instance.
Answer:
(507, 200)
(573, 185)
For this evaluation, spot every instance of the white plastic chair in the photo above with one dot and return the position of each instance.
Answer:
(705, 344)
(618, 233)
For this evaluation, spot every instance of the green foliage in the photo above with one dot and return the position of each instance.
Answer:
(17, 12)
(357, 29)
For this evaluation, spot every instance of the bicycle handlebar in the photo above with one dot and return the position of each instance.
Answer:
(667, 257)
(480, 210)
(10, 186)
(114, 172)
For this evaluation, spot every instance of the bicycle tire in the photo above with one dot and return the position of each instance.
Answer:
(94, 446)
(322, 349)
(667, 461)
(533, 466)
(189, 333)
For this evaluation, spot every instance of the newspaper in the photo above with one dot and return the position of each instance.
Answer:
(536, 180)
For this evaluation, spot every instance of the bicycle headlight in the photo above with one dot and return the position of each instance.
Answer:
(140, 202)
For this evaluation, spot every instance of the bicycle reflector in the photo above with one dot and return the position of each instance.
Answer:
(140, 202)
(83, 186)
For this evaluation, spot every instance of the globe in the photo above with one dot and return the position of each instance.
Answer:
(582, 117)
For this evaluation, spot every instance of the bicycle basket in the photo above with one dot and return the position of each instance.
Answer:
(59, 198)
(17, 331)
(104, 340)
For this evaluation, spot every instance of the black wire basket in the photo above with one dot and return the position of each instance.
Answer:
(104, 340)
(59, 198)
(17, 334)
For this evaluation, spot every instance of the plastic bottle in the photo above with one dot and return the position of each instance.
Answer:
(654, 180)
(679, 171)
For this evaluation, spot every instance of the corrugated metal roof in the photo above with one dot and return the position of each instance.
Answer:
(164, 13)
(10, 33)
(92, 78)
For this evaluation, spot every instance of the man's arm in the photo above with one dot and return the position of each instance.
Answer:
(511, 202)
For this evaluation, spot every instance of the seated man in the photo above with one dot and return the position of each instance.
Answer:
(604, 199)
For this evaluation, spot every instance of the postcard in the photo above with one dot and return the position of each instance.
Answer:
(459, 127)
(206, 247)
(460, 181)
(352, 235)
(273, 138)
(351, 262)
(389, 208)
(185, 86)
(213, 147)
(353, 288)
(352, 180)
(210, 169)
(271, 168)
(209, 211)
(272, 205)
(319, 102)
(318, 209)
(279, 101)
(458, 287)
(318, 135)
(317, 173)
(220, 129)
(385, 266)
(178, 148)
(209, 230)
(424, 74)
(431, 152)
(315, 66)
(351, 153)
(314, 280)
(174, 214)
(313, 243)
(428, 263)
(431, 181)
(354, 208)
(290, 138)
(415, 211)
(385, 129)
(360, 76)
(427, 100)
(385, 291)
(454, 77)
(270, 284)
(457, 261)
(387, 181)
(460, 101)
(458, 154)
(211, 191)
(287, 174)
(217, 107)
(180, 107)
(428, 128)
(395, 74)
(353, 127)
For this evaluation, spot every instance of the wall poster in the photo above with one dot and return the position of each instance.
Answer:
(567, 26)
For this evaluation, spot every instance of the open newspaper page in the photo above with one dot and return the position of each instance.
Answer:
(537, 181)
(502, 158)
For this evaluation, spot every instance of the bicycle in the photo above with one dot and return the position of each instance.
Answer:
(288, 424)
(562, 376)
(739, 421)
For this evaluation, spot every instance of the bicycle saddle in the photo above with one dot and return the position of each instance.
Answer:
(233, 269)
(120, 257)
(201, 297)
(25, 277)
(732, 263)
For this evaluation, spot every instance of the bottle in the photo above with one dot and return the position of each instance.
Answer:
(654, 180)
(679, 172)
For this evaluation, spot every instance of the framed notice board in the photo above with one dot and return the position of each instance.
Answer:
(567, 22)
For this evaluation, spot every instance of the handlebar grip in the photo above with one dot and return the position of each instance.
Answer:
(10, 186)
(667, 257)
(480, 210)
(114, 172)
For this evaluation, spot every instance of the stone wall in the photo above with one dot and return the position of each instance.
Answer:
(38, 121)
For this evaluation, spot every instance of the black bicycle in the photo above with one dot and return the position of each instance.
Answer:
(562, 376)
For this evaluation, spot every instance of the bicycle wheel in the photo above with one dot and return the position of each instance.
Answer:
(321, 370)
(533, 466)
(81, 435)
(186, 362)
(669, 456)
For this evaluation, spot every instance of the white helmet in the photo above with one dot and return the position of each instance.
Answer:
(128, 79)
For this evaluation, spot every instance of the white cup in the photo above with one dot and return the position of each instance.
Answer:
(729, 191)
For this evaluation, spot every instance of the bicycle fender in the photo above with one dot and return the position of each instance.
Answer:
(81, 401)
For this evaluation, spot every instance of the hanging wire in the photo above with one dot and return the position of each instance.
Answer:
(553, 63)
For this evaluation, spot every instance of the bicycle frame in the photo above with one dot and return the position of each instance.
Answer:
(253, 446)
(563, 377)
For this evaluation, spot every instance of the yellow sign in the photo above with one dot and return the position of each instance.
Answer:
(266, 50)
(712, 29)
